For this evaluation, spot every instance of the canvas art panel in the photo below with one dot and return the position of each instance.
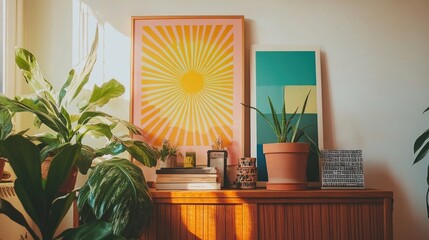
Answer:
(286, 74)
(188, 81)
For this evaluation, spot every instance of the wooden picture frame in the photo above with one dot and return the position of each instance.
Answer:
(188, 82)
(286, 72)
(218, 159)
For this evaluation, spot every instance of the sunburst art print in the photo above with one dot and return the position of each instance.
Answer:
(188, 81)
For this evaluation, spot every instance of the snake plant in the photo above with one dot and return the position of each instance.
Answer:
(285, 131)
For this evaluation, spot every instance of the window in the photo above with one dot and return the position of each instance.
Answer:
(10, 16)
(2, 41)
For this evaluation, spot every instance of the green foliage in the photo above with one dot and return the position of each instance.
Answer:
(52, 109)
(65, 142)
(5, 123)
(421, 148)
(42, 204)
(167, 150)
(128, 205)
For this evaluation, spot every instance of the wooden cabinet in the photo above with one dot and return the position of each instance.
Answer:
(261, 214)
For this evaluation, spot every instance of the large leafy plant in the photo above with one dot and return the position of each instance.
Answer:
(421, 148)
(65, 143)
(127, 207)
(53, 109)
(284, 128)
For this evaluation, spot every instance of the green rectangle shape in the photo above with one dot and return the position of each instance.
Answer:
(285, 68)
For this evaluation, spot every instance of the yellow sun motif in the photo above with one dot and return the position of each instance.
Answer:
(187, 83)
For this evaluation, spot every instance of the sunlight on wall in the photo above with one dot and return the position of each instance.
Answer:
(112, 61)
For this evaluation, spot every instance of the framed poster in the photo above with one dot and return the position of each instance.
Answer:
(188, 82)
(286, 73)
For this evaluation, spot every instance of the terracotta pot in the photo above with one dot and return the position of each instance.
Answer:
(286, 165)
(2, 163)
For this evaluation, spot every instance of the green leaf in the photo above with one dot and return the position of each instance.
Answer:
(31, 72)
(102, 95)
(5, 123)
(113, 148)
(421, 140)
(276, 121)
(60, 169)
(95, 130)
(262, 115)
(24, 158)
(94, 230)
(46, 138)
(299, 118)
(141, 151)
(423, 152)
(116, 191)
(64, 88)
(88, 116)
(9, 210)
(85, 161)
(80, 80)
(60, 207)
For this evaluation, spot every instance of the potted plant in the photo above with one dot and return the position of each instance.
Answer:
(421, 148)
(287, 159)
(168, 154)
(43, 199)
(53, 109)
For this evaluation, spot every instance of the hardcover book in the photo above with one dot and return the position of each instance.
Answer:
(194, 170)
(188, 186)
(180, 179)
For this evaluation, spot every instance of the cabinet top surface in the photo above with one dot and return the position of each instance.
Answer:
(263, 193)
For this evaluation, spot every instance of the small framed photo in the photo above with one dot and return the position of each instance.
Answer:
(217, 158)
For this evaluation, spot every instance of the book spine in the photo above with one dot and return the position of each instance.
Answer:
(187, 186)
(185, 171)
(191, 175)
(185, 179)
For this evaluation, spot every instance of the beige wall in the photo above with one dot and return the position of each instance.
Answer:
(375, 71)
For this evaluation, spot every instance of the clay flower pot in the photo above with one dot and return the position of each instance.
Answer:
(2, 163)
(286, 165)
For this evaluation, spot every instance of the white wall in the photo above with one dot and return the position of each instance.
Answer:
(375, 71)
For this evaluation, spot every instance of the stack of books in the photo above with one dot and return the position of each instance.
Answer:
(196, 178)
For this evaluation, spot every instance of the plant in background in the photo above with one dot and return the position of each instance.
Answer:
(42, 200)
(167, 150)
(421, 148)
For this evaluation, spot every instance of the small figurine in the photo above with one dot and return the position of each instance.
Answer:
(218, 145)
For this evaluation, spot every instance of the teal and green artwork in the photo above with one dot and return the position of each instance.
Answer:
(286, 74)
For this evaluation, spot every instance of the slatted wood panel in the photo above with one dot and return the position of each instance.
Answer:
(328, 221)
(261, 214)
(194, 221)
